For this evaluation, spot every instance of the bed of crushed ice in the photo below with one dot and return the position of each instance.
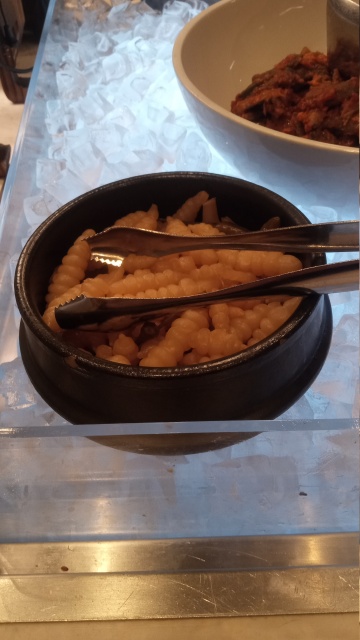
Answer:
(116, 111)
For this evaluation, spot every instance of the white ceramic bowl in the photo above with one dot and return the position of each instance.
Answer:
(215, 56)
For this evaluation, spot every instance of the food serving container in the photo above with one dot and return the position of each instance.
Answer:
(215, 56)
(261, 382)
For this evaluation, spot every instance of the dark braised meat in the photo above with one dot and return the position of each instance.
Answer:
(303, 96)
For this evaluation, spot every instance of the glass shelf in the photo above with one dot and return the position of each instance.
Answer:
(279, 482)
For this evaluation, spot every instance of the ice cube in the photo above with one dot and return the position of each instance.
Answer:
(85, 164)
(67, 187)
(194, 154)
(89, 110)
(109, 141)
(20, 403)
(36, 210)
(71, 82)
(54, 118)
(171, 137)
(115, 66)
(122, 117)
(47, 170)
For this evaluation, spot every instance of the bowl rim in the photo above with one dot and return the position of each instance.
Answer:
(32, 318)
(187, 84)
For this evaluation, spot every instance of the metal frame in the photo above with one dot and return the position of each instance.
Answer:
(186, 578)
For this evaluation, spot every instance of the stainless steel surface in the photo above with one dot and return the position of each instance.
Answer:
(176, 579)
(343, 31)
(112, 245)
(183, 556)
(346, 10)
(118, 313)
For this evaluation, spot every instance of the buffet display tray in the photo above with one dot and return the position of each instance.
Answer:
(265, 526)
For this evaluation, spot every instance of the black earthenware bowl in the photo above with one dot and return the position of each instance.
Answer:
(259, 383)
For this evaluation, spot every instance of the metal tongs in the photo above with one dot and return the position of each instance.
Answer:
(117, 313)
(112, 245)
